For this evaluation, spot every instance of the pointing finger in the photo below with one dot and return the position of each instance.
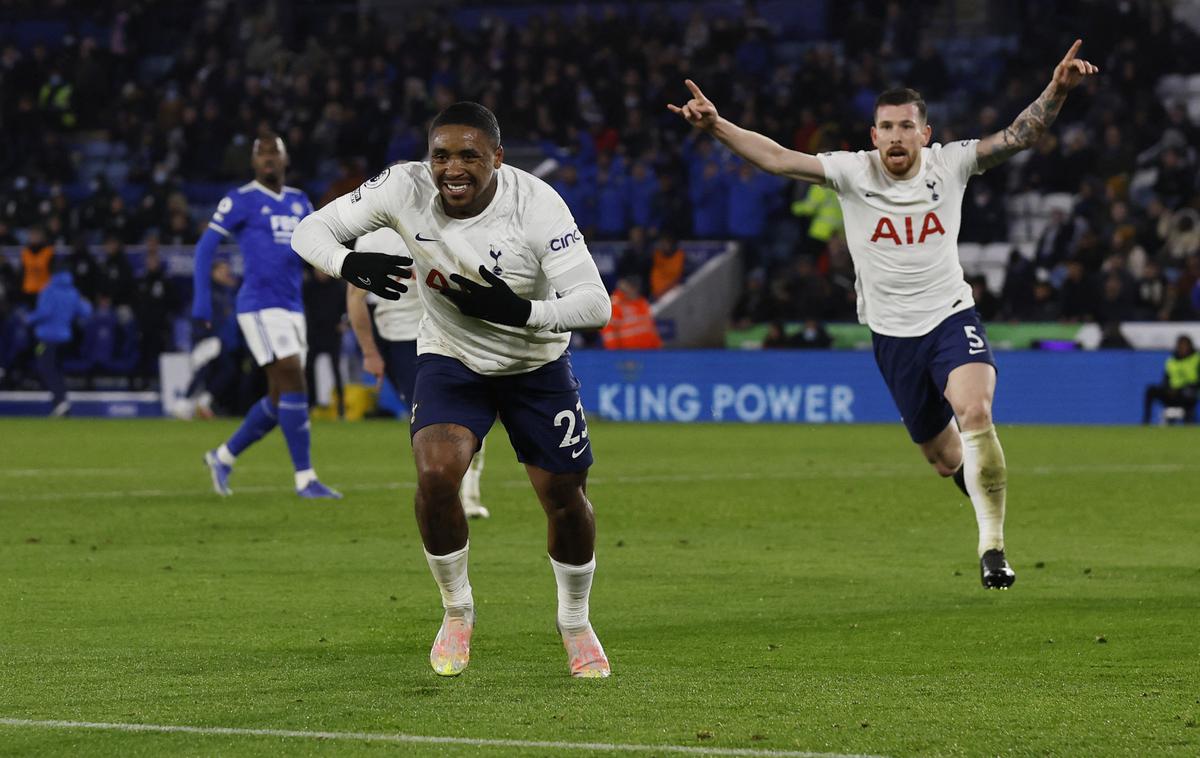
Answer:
(1074, 49)
(695, 89)
(463, 282)
(674, 108)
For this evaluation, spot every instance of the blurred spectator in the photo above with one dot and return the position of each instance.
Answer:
(812, 336)
(985, 302)
(643, 185)
(83, 268)
(578, 196)
(110, 342)
(637, 257)
(58, 307)
(666, 267)
(752, 196)
(1176, 179)
(709, 196)
(1180, 382)
(984, 218)
(1112, 338)
(776, 336)
(1045, 306)
(1151, 293)
(632, 324)
(754, 306)
(36, 262)
(1116, 299)
(807, 290)
(115, 273)
(1077, 295)
(612, 201)
(1182, 239)
(820, 203)
(153, 309)
(1117, 155)
(928, 74)
(671, 206)
(1016, 297)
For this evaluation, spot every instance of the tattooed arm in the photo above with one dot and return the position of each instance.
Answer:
(1029, 127)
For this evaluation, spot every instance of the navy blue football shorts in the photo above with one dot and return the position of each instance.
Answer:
(400, 365)
(916, 368)
(540, 410)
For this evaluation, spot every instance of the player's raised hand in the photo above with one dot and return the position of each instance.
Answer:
(378, 272)
(1070, 70)
(699, 111)
(496, 303)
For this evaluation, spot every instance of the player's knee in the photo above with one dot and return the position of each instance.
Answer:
(437, 481)
(943, 469)
(977, 414)
(564, 494)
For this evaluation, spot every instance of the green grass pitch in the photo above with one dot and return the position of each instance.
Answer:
(760, 588)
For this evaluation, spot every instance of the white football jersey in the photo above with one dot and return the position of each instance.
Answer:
(903, 236)
(396, 320)
(525, 235)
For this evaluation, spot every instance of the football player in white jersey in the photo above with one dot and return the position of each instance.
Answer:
(504, 276)
(394, 353)
(902, 204)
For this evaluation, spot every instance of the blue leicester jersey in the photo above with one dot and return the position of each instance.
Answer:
(262, 222)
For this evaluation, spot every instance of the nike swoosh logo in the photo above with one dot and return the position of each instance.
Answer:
(579, 452)
(425, 239)
(364, 281)
(977, 352)
(869, 194)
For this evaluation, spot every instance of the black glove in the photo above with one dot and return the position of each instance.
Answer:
(496, 303)
(375, 271)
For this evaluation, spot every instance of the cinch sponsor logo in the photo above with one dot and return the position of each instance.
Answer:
(814, 403)
(563, 242)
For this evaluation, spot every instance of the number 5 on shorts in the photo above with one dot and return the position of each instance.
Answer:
(975, 343)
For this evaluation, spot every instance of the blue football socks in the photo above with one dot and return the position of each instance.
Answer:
(293, 421)
(262, 418)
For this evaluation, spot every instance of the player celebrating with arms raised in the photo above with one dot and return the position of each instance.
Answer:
(902, 204)
(484, 350)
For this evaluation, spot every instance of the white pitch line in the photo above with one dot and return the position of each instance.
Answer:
(422, 739)
(899, 470)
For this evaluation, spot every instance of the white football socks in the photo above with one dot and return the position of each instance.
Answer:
(304, 477)
(574, 587)
(986, 475)
(224, 456)
(450, 573)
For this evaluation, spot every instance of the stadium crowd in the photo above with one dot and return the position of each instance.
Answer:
(125, 121)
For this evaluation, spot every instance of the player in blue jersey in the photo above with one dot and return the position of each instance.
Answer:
(270, 311)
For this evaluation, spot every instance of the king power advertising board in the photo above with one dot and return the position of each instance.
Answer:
(797, 386)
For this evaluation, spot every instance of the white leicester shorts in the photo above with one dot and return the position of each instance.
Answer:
(274, 333)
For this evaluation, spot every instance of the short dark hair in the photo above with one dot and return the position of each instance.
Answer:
(470, 114)
(901, 96)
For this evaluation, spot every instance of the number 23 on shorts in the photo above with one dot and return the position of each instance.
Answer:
(567, 417)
